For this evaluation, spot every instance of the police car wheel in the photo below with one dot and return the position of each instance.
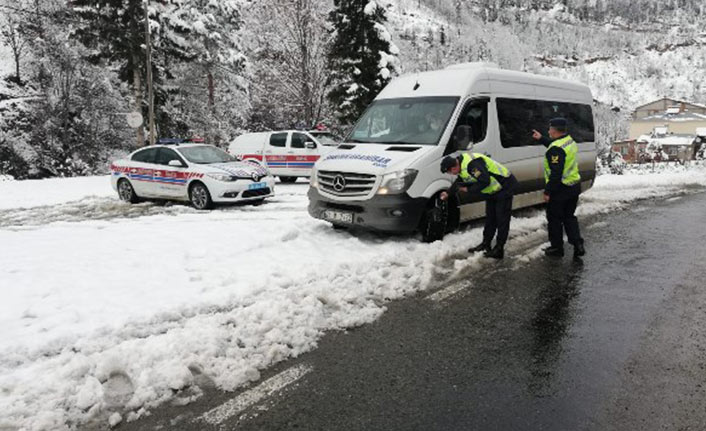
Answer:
(200, 197)
(288, 180)
(126, 192)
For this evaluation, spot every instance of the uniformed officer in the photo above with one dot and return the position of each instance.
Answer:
(563, 186)
(478, 174)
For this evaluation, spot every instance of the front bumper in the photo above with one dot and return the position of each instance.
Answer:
(391, 213)
(239, 191)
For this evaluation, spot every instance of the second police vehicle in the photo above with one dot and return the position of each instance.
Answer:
(288, 154)
(386, 177)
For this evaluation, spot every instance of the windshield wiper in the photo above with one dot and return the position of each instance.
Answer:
(358, 141)
(403, 143)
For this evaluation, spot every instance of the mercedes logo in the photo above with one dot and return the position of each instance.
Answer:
(255, 176)
(339, 183)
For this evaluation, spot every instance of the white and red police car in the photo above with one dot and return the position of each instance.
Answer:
(288, 154)
(198, 173)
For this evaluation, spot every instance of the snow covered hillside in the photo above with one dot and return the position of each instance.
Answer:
(625, 65)
(109, 309)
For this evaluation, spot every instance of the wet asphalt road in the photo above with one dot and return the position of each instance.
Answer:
(617, 341)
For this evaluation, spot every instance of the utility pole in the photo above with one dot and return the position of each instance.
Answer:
(150, 90)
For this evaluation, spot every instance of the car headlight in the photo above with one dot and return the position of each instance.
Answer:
(222, 177)
(397, 182)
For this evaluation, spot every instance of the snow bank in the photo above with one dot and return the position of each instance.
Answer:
(33, 193)
(102, 320)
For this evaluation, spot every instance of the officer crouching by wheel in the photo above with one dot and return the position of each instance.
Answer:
(478, 174)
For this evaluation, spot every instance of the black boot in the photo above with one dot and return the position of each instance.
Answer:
(554, 251)
(498, 252)
(484, 246)
(579, 250)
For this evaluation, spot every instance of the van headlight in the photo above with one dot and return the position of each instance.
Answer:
(397, 182)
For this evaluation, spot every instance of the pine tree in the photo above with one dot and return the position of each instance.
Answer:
(363, 58)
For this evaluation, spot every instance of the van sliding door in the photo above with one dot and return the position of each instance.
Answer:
(523, 155)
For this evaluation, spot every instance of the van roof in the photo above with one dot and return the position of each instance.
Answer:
(472, 78)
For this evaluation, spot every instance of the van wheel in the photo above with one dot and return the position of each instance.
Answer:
(288, 180)
(200, 197)
(453, 222)
(434, 220)
(126, 192)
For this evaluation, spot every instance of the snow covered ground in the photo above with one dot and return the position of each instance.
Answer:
(35, 193)
(109, 309)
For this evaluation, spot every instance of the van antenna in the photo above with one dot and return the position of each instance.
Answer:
(416, 83)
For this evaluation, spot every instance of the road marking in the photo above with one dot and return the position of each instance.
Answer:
(447, 292)
(250, 397)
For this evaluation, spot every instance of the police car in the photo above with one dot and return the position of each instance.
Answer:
(288, 154)
(198, 173)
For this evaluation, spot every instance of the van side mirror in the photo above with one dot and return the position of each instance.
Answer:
(176, 163)
(310, 145)
(463, 136)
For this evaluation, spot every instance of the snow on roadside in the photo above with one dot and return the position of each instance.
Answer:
(102, 320)
(34, 193)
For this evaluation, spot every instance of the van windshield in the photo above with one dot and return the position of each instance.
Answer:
(405, 121)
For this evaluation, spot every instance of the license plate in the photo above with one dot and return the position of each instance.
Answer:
(257, 186)
(338, 216)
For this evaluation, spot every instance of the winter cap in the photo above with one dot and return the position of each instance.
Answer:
(559, 123)
(448, 163)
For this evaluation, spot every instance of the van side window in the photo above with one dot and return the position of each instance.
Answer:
(475, 115)
(278, 139)
(517, 118)
(580, 118)
(298, 140)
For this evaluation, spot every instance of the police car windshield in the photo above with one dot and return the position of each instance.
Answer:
(405, 121)
(205, 154)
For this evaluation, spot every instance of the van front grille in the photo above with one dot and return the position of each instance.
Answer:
(346, 184)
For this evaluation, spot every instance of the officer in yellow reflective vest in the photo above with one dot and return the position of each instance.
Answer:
(563, 186)
(479, 175)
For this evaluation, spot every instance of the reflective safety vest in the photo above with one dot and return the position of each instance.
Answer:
(571, 175)
(495, 169)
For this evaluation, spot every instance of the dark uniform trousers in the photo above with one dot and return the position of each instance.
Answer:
(560, 217)
(498, 211)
